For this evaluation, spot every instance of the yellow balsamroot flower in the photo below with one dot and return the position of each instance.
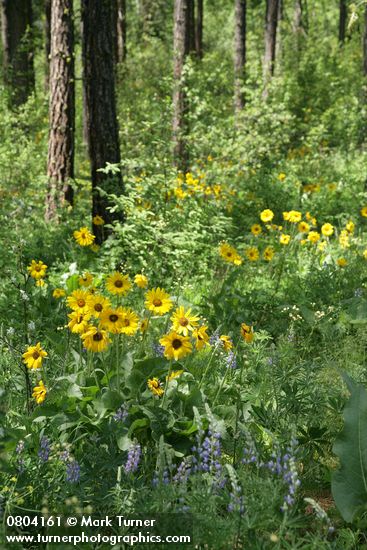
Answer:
(98, 220)
(294, 216)
(39, 392)
(344, 239)
(111, 320)
(86, 279)
(141, 280)
(252, 254)
(230, 254)
(247, 333)
(95, 339)
(40, 282)
(321, 246)
(175, 345)
(78, 322)
(37, 270)
(97, 304)
(83, 236)
(286, 216)
(226, 342)
(183, 322)
(364, 211)
(201, 337)
(313, 236)
(33, 356)
(365, 254)
(78, 301)
(155, 386)
(118, 284)
(58, 293)
(266, 215)
(327, 229)
(129, 321)
(144, 325)
(174, 374)
(281, 176)
(268, 253)
(342, 262)
(350, 226)
(158, 301)
(284, 239)
(256, 229)
(303, 227)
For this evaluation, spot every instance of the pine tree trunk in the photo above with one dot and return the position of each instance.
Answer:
(60, 164)
(342, 20)
(199, 29)
(47, 43)
(239, 54)
(18, 49)
(181, 50)
(272, 7)
(192, 26)
(121, 31)
(100, 103)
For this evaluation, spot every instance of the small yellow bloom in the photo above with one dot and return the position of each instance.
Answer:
(78, 301)
(141, 280)
(117, 283)
(129, 322)
(281, 176)
(98, 220)
(40, 282)
(230, 254)
(144, 325)
(86, 279)
(284, 239)
(78, 322)
(33, 356)
(95, 339)
(327, 229)
(96, 304)
(286, 216)
(37, 270)
(201, 337)
(58, 293)
(313, 236)
(266, 215)
(158, 301)
(364, 211)
(342, 262)
(252, 254)
(247, 333)
(294, 216)
(174, 374)
(83, 236)
(155, 386)
(183, 321)
(39, 392)
(226, 342)
(256, 229)
(112, 320)
(303, 227)
(350, 227)
(365, 253)
(268, 253)
(175, 345)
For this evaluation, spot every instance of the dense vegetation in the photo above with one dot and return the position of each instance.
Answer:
(209, 356)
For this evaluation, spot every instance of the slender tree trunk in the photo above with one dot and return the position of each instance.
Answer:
(100, 102)
(18, 49)
(239, 54)
(181, 50)
(47, 43)
(272, 7)
(298, 17)
(60, 164)
(192, 26)
(199, 28)
(121, 31)
(343, 10)
(365, 42)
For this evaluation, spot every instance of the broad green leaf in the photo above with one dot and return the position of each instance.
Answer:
(349, 483)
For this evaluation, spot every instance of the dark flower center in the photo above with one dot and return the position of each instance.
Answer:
(183, 321)
(126, 322)
(35, 355)
(98, 307)
(157, 302)
(114, 318)
(97, 337)
(176, 343)
(81, 303)
(118, 283)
